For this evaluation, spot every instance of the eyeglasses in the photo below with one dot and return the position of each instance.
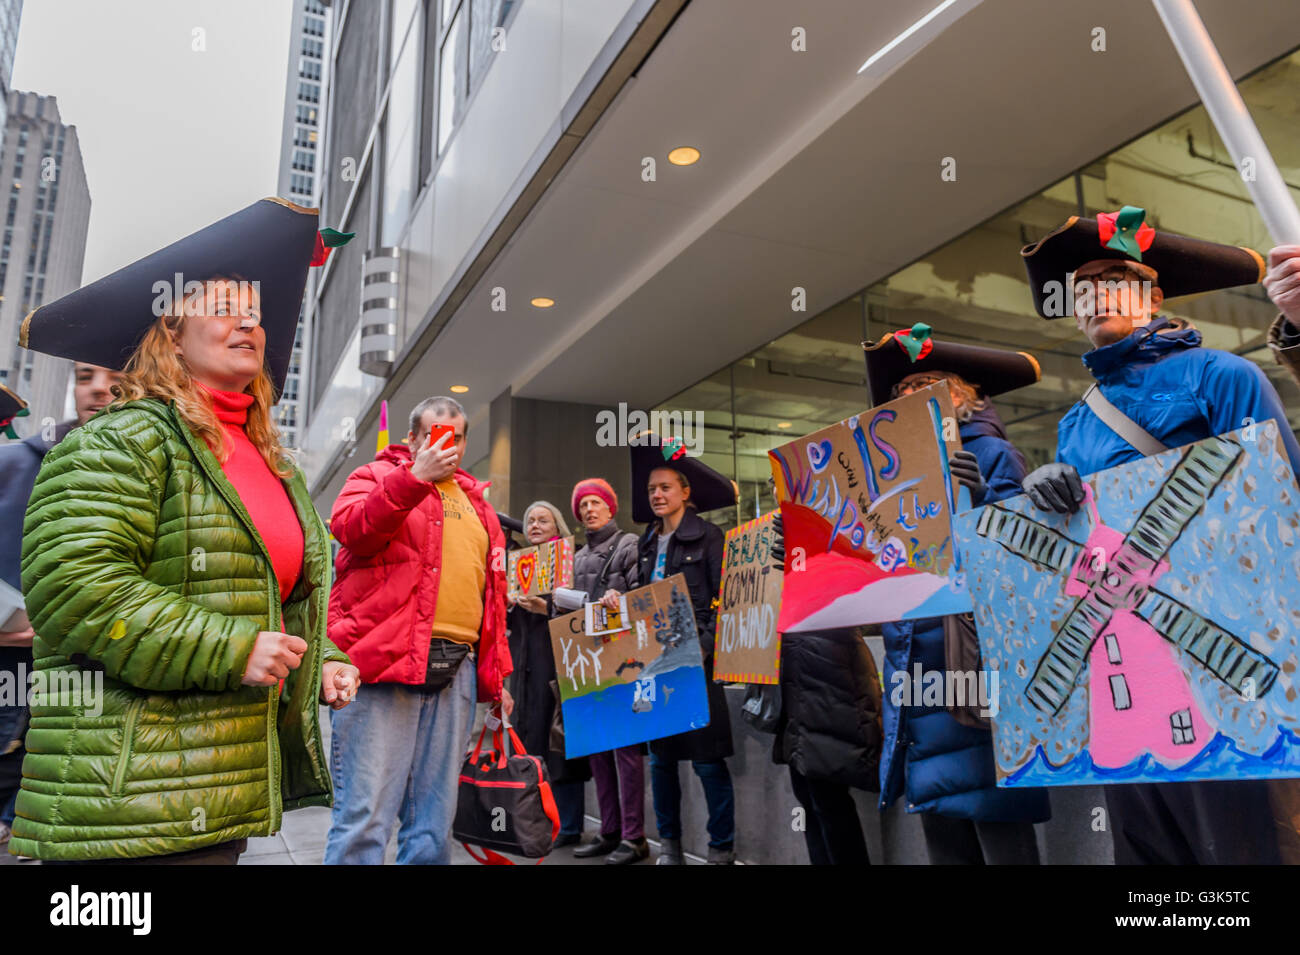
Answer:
(1112, 279)
(909, 385)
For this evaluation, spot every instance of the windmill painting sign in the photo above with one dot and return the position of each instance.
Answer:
(633, 685)
(867, 507)
(1153, 636)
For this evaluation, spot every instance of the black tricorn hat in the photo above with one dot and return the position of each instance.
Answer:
(994, 371)
(709, 489)
(11, 406)
(1184, 266)
(272, 242)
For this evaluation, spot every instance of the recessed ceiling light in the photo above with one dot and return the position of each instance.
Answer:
(540, 302)
(684, 156)
(783, 424)
(459, 389)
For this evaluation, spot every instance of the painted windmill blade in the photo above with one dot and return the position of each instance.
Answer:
(1044, 547)
(1228, 658)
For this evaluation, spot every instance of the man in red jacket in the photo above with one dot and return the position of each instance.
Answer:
(419, 605)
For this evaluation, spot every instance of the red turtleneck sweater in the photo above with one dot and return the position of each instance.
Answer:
(260, 489)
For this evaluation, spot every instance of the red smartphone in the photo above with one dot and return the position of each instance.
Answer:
(437, 431)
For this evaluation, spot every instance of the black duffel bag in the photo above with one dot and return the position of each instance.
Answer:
(505, 801)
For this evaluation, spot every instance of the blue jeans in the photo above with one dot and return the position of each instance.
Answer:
(396, 753)
(570, 800)
(666, 788)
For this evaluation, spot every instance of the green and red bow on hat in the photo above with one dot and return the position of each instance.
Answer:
(327, 239)
(1126, 231)
(11, 407)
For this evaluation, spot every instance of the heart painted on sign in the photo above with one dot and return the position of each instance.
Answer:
(525, 568)
(819, 455)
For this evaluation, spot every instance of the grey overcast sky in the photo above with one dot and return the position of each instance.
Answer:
(172, 138)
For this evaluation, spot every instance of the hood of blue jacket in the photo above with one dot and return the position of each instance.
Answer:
(1147, 344)
(983, 423)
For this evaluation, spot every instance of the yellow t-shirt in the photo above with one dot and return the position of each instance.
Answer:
(459, 613)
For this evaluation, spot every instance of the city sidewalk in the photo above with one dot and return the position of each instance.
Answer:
(302, 842)
(301, 839)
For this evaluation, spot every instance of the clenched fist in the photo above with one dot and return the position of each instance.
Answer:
(274, 655)
(339, 683)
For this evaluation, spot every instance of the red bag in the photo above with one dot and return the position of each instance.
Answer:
(505, 802)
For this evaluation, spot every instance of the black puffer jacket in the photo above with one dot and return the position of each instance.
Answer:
(589, 562)
(696, 552)
(830, 722)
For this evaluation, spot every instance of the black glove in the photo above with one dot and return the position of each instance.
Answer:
(965, 467)
(778, 541)
(1055, 487)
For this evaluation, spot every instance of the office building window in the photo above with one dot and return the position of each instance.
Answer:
(308, 68)
(400, 122)
(453, 79)
(485, 17)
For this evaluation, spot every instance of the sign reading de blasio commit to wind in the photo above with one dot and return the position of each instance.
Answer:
(867, 508)
(747, 647)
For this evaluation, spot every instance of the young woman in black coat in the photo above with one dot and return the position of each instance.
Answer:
(678, 540)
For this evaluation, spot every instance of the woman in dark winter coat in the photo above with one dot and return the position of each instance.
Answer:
(944, 767)
(604, 569)
(829, 735)
(535, 701)
(678, 540)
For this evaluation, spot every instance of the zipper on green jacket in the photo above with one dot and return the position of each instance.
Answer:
(206, 460)
(128, 737)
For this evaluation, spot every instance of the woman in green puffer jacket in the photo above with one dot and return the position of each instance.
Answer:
(170, 546)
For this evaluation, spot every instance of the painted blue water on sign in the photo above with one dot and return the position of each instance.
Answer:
(617, 716)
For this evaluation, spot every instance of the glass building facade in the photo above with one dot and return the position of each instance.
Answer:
(973, 289)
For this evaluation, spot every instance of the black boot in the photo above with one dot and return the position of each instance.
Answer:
(670, 852)
(603, 846)
(629, 852)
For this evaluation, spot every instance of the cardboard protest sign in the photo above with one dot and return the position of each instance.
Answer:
(1152, 635)
(747, 648)
(633, 685)
(867, 507)
(537, 570)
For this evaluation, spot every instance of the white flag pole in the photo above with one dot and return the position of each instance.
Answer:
(1231, 118)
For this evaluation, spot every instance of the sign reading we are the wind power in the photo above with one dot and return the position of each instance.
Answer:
(867, 507)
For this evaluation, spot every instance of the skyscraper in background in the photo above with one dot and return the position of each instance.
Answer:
(303, 124)
(43, 245)
(11, 14)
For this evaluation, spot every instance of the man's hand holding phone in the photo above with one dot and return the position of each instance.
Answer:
(436, 460)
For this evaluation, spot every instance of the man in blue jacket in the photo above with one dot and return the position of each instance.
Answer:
(940, 758)
(19, 462)
(1151, 370)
